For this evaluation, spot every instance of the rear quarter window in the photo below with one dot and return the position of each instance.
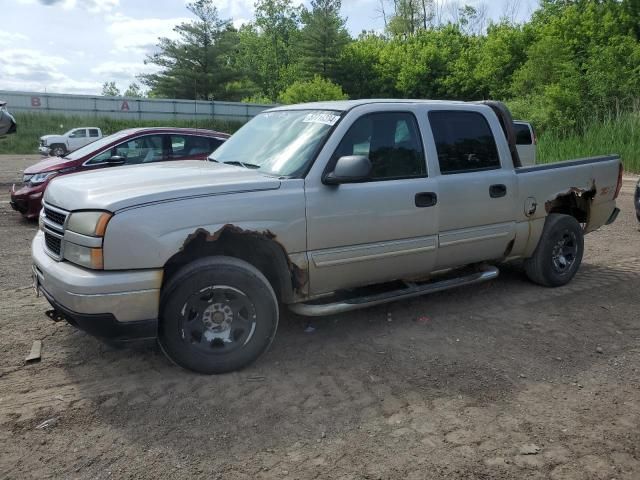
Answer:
(523, 134)
(464, 142)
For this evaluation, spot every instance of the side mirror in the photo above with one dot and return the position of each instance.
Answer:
(349, 169)
(116, 160)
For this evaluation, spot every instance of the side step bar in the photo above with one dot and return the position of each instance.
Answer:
(411, 290)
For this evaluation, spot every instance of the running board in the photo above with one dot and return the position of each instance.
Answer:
(411, 290)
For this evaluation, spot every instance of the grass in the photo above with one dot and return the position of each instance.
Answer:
(31, 126)
(620, 135)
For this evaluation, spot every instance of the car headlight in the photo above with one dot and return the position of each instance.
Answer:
(39, 178)
(90, 228)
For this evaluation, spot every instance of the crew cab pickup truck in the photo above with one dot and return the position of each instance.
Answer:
(60, 145)
(322, 208)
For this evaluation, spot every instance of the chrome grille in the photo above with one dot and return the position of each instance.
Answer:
(54, 244)
(55, 217)
(53, 223)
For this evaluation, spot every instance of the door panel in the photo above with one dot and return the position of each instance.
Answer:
(369, 233)
(380, 230)
(477, 194)
(78, 139)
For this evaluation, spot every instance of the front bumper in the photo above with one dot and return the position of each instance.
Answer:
(112, 304)
(27, 200)
(44, 150)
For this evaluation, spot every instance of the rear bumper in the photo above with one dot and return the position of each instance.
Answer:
(113, 304)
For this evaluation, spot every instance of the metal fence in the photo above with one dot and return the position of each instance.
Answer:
(129, 108)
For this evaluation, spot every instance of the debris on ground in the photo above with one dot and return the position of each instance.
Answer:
(529, 449)
(309, 328)
(423, 320)
(599, 349)
(35, 353)
(51, 422)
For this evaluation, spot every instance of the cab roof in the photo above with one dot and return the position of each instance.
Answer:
(344, 105)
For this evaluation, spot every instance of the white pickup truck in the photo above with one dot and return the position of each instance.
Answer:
(60, 145)
(323, 208)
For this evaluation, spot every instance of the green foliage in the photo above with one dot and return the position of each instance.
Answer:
(322, 39)
(314, 90)
(134, 91)
(196, 65)
(109, 89)
(31, 126)
(267, 55)
(615, 134)
(573, 62)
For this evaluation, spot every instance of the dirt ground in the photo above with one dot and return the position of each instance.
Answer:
(505, 380)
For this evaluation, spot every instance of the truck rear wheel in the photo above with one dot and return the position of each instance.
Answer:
(558, 255)
(218, 314)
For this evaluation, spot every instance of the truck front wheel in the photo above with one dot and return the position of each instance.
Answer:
(58, 150)
(558, 255)
(218, 314)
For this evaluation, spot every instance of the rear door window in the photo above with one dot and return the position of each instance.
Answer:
(523, 134)
(93, 132)
(464, 142)
(190, 146)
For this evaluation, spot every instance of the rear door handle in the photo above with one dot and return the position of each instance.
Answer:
(498, 190)
(426, 199)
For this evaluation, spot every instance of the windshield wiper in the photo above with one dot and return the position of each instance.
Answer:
(241, 164)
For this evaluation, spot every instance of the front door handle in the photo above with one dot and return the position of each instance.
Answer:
(498, 190)
(426, 199)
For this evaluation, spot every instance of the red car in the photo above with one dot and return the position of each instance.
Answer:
(127, 147)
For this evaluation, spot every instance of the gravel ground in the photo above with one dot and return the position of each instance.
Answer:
(505, 380)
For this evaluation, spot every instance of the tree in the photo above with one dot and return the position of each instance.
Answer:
(315, 90)
(134, 91)
(198, 65)
(109, 89)
(267, 56)
(323, 38)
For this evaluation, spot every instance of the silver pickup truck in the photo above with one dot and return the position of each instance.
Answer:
(323, 208)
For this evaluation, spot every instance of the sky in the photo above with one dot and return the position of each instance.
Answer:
(74, 46)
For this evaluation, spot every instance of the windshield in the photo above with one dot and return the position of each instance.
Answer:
(93, 147)
(280, 143)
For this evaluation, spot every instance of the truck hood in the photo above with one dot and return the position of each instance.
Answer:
(51, 164)
(117, 188)
(51, 137)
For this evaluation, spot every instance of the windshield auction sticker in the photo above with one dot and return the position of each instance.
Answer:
(326, 118)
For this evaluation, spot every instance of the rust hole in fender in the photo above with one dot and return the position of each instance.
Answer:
(299, 276)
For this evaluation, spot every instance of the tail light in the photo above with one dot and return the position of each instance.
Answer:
(534, 137)
(619, 186)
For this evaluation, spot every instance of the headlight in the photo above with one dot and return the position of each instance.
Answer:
(89, 223)
(39, 178)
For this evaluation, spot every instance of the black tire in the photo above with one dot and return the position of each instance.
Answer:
(57, 150)
(558, 255)
(217, 315)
